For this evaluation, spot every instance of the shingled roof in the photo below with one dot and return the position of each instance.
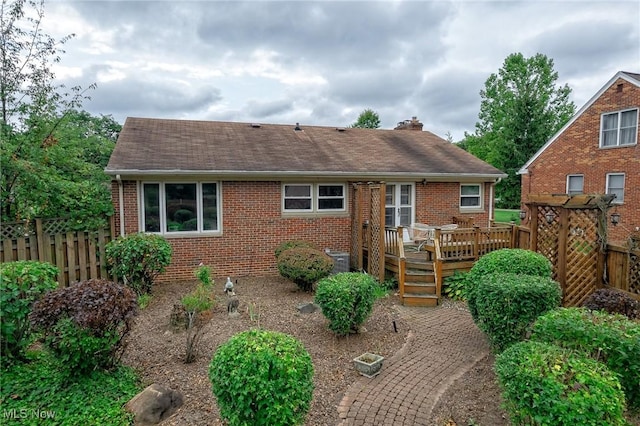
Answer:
(244, 150)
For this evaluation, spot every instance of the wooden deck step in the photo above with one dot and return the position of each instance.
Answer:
(420, 300)
(417, 288)
(419, 276)
(423, 265)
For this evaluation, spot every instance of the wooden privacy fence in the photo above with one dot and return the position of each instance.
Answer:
(623, 269)
(78, 255)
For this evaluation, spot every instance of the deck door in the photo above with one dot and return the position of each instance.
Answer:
(399, 204)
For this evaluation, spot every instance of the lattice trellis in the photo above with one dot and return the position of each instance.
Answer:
(634, 273)
(376, 231)
(356, 229)
(548, 236)
(581, 256)
(56, 226)
(14, 230)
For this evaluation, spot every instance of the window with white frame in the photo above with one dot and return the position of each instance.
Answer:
(307, 197)
(575, 184)
(619, 128)
(169, 207)
(470, 196)
(615, 185)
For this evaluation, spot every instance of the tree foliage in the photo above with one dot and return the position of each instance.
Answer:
(522, 107)
(52, 154)
(368, 119)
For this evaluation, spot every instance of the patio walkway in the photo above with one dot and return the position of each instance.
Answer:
(442, 345)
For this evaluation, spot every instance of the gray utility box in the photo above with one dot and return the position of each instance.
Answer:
(340, 261)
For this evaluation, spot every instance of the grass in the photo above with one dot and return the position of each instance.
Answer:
(36, 392)
(506, 216)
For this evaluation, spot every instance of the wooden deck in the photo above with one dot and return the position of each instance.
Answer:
(420, 273)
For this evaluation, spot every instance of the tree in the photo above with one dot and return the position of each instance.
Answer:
(521, 108)
(52, 155)
(368, 119)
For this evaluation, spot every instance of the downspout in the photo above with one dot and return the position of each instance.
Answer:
(121, 203)
(491, 201)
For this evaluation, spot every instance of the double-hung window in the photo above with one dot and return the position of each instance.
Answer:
(615, 185)
(313, 197)
(619, 128)
(470, 196)
(575, 184)
(180, 207)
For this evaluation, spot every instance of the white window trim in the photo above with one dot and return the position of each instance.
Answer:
(606, 189)
(315, 191)
(619, 113)
(480, 196)
(569, 178)
(163, 205)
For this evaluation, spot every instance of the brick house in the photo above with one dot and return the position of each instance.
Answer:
(596, 152)
(227, 194)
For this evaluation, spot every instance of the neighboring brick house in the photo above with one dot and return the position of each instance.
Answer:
(227, 194)
(596, 152)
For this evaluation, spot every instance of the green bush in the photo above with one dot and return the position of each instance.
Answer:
(346, 300)
(516, 261)
(454, 286)
(543, 384)
(84, 324)
(612, 339)
(507, 305)
(21, 284)
(262, 377)
(137, 259)
(613, 301)
(304, 266)
(293, 244)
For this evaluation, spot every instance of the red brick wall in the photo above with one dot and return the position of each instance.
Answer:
(576, 151)
(253, 226)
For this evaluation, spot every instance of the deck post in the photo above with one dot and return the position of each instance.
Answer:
(476, 241)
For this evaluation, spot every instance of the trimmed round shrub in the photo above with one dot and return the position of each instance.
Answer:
(84, 324)
(293, 244)
(507, 305)
(612, 339)
(543, 384)
(304, 266)
(613, 301)
(516, 261)
(346, 300)
(262, 377)
(21, 284)
(137, 259)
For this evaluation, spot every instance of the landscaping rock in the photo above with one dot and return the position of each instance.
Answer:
(307, 308)
(154, 404)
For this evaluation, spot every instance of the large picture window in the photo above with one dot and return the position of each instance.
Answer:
(615, 185)
(470, 196)
(619, 128)
(180, 207)
(311, 198)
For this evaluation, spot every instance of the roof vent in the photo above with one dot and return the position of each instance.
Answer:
(255, 125)
(340, 129)
(298, 128)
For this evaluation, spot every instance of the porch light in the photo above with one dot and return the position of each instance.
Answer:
(523, 214)
(615, 218)
(550, 216)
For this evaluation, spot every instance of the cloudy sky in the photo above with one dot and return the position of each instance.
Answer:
(324, 62)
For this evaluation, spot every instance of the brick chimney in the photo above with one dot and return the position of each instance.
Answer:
(413, 124)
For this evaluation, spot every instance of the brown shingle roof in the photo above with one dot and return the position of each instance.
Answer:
(160, 146)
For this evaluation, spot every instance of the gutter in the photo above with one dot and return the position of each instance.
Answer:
(121, 203)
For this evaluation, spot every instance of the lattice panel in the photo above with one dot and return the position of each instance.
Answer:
(548, 236)
(56, 226)
(356, 229)
(634, 273)
(376, 257)
(581, 256)
(15, 230)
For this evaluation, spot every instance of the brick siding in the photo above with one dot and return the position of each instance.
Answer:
(577, 151)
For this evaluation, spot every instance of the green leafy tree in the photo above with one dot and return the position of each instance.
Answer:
(52, 155)
(522, 107)
(368, 119)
